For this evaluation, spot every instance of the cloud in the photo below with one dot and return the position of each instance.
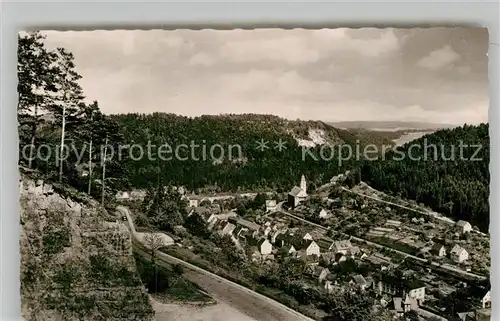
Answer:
(301, 47)
(326, 74)
(379, 43)
(201, 59)
(439, 58)
(288, 49)
(265, 84)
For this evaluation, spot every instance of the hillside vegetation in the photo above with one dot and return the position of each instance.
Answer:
(239, 163)
(441, 177)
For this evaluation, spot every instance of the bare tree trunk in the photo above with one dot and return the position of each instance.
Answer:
(33, 135)
(90, 166)
(153, 261)
(104, 170)
(90, 158)
(63, 128)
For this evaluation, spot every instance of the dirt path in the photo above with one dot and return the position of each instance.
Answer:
(175, 312)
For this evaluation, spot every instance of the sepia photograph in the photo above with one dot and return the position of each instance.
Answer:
(261, 174)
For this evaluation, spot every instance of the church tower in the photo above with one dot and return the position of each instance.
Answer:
(303, 184)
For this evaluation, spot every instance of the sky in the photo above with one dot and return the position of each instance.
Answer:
(432, 75)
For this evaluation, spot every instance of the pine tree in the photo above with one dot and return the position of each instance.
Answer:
(92, 132)
(36, 72)
(69, 106)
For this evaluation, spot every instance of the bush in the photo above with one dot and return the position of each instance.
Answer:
(178, 269)
(101, 268)
(67, 277)
(55, 242)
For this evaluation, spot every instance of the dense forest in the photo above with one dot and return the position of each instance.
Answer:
(239, 163)
(438, 174)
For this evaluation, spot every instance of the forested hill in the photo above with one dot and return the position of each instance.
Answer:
(449, 183)
(268, 168)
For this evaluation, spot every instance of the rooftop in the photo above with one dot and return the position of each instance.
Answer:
(248, 224)
(295, 191)
(359, 279)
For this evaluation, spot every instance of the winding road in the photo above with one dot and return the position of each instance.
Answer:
(251, 303)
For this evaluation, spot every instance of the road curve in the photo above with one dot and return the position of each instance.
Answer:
(249, 302)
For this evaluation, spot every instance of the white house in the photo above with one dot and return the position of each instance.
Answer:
(458, 254)
(320, 273)
(137, 194)
(391, 285)
(267, 230)
(323, 214)
(226, 216)
(122, 196)
(228, 229)
(329, 286)
(360, 282)
(463, 226)
(265, 247)
(410, 304)
(416, 291)
(193, 203)
(438, 250)
(486, 300)
(209, 217)
(271, 205)
(312, 248)
(307, 237)
(341, 258)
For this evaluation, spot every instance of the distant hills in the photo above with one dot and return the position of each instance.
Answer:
(390, 125)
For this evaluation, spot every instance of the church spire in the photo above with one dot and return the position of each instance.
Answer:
(303, 184)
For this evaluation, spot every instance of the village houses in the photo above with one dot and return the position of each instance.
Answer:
(311, 248)
(340, 246)
(323, 214)
(122, 196)
(271, 205)
(275, 235)
(134, 195)
(359, 282)
(319, 273)
(228, 229)
(486, 300)
(463, 227)
(304, 236)
(393, 286)
(458, 254)
(289, 249)
(401, 307)
(265, 247)
(438, 250)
